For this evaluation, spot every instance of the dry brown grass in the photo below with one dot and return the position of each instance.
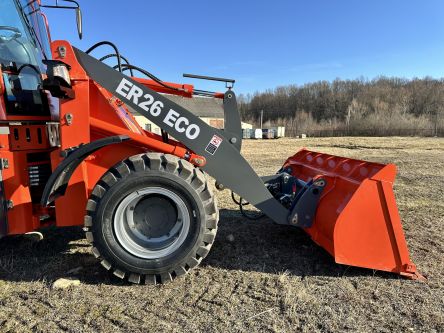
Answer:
(269, 278)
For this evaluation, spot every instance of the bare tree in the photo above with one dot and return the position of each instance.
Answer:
(383, 106)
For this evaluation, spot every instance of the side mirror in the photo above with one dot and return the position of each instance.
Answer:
(76, 7)
(79, 22)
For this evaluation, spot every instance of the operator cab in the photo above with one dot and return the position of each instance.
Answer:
(24, 44)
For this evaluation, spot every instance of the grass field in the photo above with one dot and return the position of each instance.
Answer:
(258, 276)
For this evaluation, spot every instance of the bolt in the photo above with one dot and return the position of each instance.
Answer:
(233, 140)
(320, 182)
(62, 51)
(294, 220)
(198, 161)
(68, 118)
(230, 96)
(5, 163)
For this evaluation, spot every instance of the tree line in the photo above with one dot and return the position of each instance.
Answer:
(379, 107)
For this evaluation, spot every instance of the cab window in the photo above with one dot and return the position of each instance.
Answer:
(21, 62)
(37, 21)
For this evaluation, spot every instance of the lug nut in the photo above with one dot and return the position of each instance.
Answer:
(294, 220)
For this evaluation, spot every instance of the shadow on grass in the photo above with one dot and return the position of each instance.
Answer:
(241, 244)
(62, 253)
(263, 246)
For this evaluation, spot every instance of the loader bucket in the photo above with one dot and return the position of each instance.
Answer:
(357, 220)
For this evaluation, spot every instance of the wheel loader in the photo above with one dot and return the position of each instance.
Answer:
(72, 154)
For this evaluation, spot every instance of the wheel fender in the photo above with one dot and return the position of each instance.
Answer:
(59, 179)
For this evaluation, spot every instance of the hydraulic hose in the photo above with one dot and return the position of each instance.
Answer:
(119, 57)
(128, 66)
(151, 76)
(241, 203)
(115, 55)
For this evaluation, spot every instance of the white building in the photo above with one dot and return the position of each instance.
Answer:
(210, 110)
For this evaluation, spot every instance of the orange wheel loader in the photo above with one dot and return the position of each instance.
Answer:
(72, 154)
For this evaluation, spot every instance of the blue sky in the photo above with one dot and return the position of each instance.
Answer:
(264, 44)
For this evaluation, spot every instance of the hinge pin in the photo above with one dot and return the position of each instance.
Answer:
(4, 163)
(9, 204)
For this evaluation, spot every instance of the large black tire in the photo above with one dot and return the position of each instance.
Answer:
(151, 172)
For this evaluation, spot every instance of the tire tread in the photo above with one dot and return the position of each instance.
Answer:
(168, 164)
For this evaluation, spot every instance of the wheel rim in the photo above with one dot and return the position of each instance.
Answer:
(151, 223)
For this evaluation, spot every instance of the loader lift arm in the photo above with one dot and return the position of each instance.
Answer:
(220, 149)
(146, 205)
(325, 195)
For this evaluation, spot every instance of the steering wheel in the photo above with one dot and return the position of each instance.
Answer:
(16, 33)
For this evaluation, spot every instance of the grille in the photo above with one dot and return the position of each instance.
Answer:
(39, 174)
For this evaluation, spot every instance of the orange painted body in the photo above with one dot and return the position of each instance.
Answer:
(95, 114)
(357, 220)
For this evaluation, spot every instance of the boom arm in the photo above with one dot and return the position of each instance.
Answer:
(224, 162)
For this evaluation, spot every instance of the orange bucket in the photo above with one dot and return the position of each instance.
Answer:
(357, 220)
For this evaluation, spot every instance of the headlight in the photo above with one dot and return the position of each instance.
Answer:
(58, 70)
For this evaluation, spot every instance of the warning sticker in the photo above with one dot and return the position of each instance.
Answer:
(213, 144)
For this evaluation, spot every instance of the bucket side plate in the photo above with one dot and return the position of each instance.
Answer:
(357, 219)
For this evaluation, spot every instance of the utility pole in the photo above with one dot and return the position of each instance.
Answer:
(262, 117)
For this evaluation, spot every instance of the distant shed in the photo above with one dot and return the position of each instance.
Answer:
(210, 110)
